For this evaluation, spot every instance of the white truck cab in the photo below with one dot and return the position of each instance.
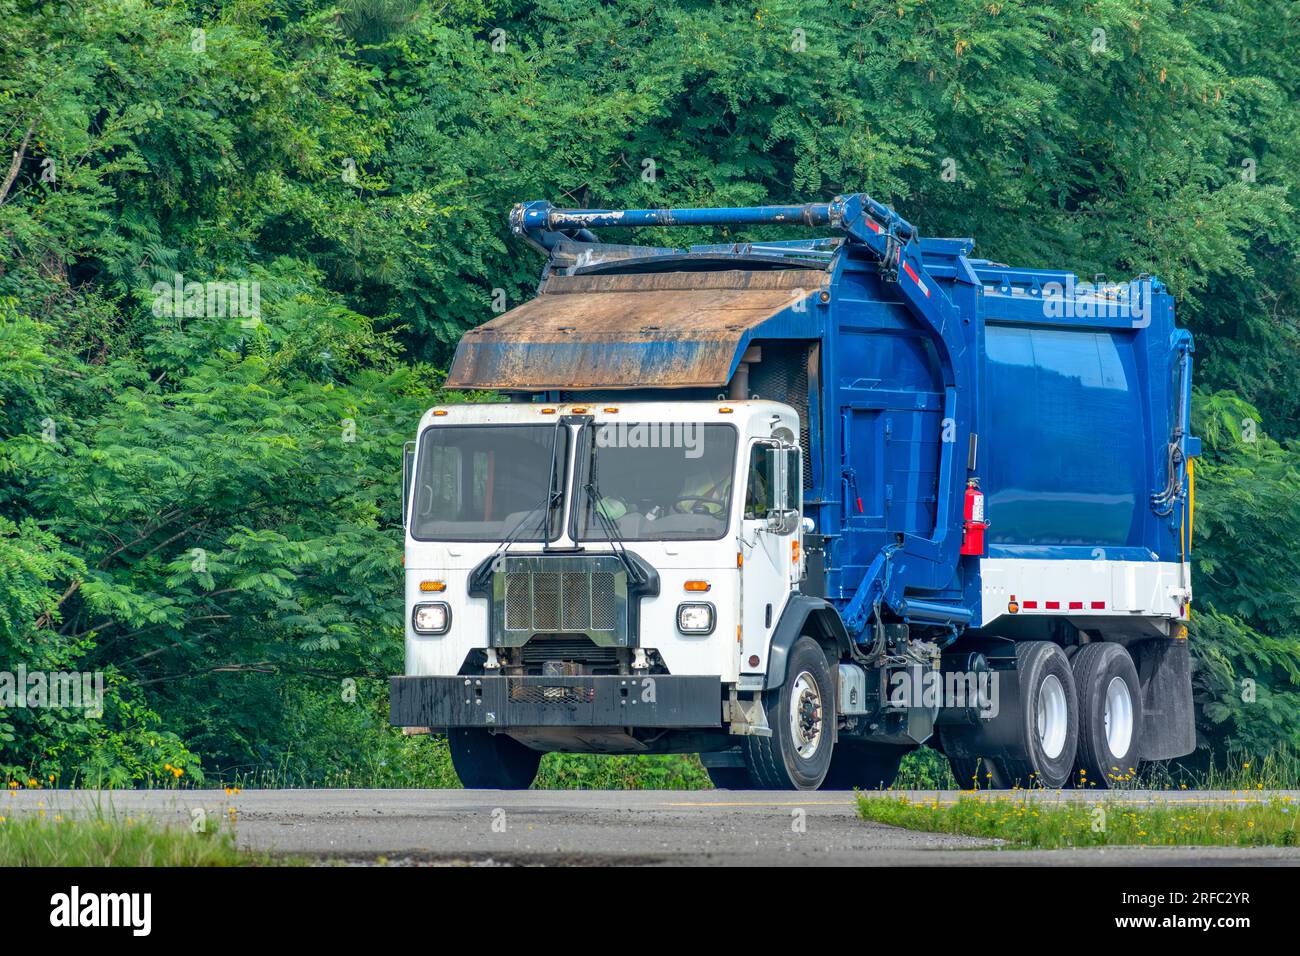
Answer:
(599, 577)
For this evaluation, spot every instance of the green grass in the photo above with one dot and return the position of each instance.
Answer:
(103, 840)
(1027, 823)
(1234, 770)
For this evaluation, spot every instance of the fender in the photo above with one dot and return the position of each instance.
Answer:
(803, 614)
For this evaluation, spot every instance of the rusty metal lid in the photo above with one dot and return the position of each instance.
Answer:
(653, 330)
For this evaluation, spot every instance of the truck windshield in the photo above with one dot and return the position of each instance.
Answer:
(487, 482)
(658, 481)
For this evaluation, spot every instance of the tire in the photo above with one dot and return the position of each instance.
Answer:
(730, 778)
(801, 713)
(1047, 721)
(1110, 714)
(967, 771)
(488, 761)
(859, 765)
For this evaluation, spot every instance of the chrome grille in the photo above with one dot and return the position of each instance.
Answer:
(604, 602)
(560, 601)
(576, 607)
(519, 601)
(546, 601)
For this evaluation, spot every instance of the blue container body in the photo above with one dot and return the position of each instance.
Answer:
(1077, 403)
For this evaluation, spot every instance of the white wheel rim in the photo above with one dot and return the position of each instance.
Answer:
(1118, 717)
(1052, 716)
(805, 715)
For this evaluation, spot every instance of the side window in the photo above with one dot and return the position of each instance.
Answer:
(408, 475)
(760, 484)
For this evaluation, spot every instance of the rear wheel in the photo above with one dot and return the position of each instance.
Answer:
(801, 714)
(1047, 720)
(969, 772)
(488, 761)
(859, 765)
(1110, 715)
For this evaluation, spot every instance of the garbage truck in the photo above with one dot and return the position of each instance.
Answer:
(802, 506)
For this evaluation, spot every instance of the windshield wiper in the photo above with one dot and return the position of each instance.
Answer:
(554, 494)
(612, 534)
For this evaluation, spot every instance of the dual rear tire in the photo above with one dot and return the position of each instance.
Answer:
(1077, 722)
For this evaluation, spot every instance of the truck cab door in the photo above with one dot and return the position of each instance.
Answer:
(771, 524)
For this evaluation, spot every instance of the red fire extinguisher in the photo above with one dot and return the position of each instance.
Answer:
(972, 539)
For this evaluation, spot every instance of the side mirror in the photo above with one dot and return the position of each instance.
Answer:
(784, 517)
(408, 472)
(782, 521)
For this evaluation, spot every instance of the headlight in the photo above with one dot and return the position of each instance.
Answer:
(431, 618)
(695, 618)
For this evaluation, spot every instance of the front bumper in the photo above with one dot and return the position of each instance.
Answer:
(593, 701)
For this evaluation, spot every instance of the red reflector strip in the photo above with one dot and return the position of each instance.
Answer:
(1031, 605)
(1053, 605)
(872, 224)
(1099, 605)
(916, 278)
(1076, 605)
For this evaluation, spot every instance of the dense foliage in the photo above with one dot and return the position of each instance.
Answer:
(197, 494)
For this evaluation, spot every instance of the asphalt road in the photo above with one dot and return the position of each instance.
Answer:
(490, 827)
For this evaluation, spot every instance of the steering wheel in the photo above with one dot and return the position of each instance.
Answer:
(700, 499)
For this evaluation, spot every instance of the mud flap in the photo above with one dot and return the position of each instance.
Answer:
(1169, 725)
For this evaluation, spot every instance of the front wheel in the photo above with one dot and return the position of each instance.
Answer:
(488, 761)
(801, 714)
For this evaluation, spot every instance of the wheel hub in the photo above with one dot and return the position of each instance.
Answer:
(805, 715)
(1052, 716)
(1118, 717)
